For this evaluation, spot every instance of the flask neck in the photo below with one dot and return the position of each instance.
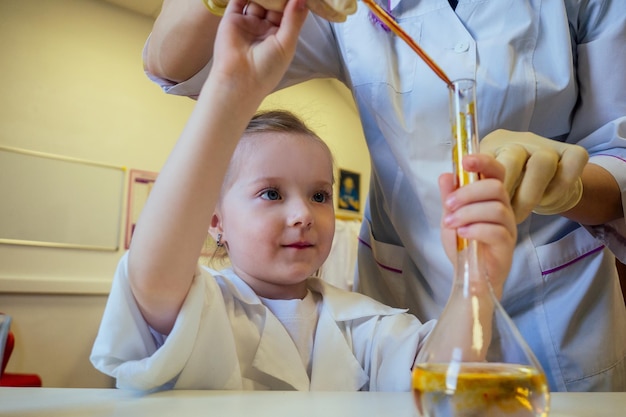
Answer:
(470, 275)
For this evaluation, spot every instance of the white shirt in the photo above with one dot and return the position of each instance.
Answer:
(224, 338)
(299, 317)
(552, 67)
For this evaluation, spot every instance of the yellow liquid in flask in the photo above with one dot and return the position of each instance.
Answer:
(482, 390)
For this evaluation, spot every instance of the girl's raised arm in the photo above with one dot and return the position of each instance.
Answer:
(252, 55)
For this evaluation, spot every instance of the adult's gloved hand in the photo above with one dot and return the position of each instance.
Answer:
(542, 175)
(331, 10)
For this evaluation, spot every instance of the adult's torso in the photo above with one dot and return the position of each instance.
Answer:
(522, 56)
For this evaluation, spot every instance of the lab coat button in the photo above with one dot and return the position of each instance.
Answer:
(461, 47)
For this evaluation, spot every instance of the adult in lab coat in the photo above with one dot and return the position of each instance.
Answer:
(554, 68)
(373, 345)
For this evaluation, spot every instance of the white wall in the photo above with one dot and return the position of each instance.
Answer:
(73, 85)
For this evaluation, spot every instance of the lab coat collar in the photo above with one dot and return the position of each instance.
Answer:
(342, 305)
(345, 305)
(238, 287)
(332, 353)
(276, 353)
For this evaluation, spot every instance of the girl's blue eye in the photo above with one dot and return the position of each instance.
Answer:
(271, 195)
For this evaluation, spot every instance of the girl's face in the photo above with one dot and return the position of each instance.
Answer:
(276, 214)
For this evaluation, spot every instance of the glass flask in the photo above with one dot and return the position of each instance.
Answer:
(475, 362)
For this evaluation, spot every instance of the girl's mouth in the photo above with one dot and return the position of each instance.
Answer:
(299, 245)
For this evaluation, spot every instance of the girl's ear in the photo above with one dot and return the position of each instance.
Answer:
(216, 226)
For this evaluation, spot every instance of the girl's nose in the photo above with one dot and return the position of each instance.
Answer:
(301, 215)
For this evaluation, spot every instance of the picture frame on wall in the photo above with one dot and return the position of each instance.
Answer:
(349, 195)
(139, 186)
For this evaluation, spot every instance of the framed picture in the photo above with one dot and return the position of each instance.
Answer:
(139, 187)
(349, 197)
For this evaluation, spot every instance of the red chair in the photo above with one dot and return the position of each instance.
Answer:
(11, 379)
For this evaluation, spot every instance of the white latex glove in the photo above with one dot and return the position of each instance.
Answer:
(542, 175)
(331, 10)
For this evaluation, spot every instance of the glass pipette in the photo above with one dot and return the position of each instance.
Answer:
(393, 25)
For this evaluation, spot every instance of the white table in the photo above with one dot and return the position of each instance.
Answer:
(70, 402)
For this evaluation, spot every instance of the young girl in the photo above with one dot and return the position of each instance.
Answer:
(264, 192)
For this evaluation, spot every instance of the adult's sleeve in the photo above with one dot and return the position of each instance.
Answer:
(316, 56)
(599, 123)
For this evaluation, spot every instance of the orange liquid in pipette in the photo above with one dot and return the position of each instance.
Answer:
(393, 25)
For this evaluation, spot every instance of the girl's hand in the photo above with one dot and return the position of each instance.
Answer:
(480, 211)
(253, 50)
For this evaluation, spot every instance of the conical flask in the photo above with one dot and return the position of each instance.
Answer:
(475, 362)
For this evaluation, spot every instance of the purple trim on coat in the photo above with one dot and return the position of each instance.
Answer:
(614, 156)
(388, 268)
(584, 255)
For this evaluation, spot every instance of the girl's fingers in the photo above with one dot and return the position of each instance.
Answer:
(484, 164)
(253, 9)
(446, 186)
(292, 21)
(481, 191)
(274, 18)
(488, 212)
(483, 202)
(236, 6)
(493, 235)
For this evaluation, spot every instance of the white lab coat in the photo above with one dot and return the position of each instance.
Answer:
(225, 339)
(552, 67)
(339, 268)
